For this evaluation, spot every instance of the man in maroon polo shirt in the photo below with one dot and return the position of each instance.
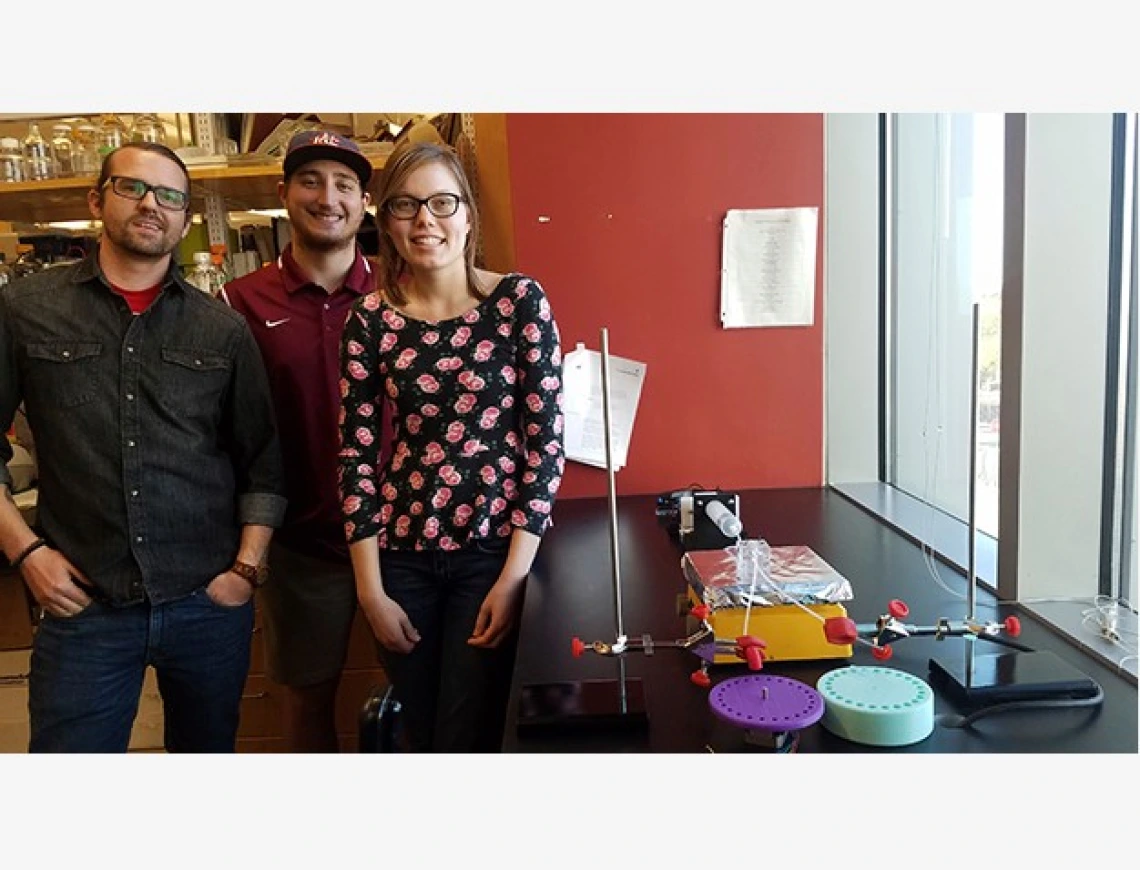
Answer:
(296, 308)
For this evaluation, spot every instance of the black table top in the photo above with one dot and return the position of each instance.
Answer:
(571, 593)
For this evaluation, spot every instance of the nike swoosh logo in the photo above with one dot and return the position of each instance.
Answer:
(273, 323)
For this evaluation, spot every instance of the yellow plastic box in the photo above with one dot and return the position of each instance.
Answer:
(792, 632)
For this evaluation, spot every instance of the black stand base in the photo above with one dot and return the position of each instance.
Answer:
(1015, 676)
(582, 705)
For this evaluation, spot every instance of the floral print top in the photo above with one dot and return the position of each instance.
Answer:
(477, 401)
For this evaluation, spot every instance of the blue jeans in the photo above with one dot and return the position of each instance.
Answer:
(87, 673)
(453, 696)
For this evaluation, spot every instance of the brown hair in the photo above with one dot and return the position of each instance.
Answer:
(403, 162)
(154, 147)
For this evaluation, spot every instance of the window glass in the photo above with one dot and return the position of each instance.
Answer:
(947, 226)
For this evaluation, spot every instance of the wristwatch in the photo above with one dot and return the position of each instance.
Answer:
(255, 575)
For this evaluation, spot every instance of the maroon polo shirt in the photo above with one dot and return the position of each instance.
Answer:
(298, 326)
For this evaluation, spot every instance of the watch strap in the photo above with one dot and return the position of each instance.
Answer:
(255, 575)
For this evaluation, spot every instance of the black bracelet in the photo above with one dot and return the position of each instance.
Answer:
(27, 551)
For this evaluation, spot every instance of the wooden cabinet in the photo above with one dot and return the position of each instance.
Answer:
(15, 611)
(15, 659)
(262, 704)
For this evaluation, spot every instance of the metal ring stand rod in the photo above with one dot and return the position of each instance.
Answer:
(971, 480)
(971, 497)
(615, 558)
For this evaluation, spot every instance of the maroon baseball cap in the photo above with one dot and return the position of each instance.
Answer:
(322, 145)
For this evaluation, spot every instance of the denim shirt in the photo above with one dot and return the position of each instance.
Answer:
(155, 433)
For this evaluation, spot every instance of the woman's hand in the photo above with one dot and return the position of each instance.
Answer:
(499, 612)
(389, 623)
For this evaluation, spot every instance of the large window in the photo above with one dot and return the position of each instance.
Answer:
(946, 223)
(1033, 218)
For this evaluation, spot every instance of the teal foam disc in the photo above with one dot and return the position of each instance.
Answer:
(876, 706)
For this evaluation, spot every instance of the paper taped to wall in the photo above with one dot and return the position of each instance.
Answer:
(585, 432)
(768, 267)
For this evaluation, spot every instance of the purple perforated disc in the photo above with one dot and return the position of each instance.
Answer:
(766, 703)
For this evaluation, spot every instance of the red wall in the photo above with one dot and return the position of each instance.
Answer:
(633, 243)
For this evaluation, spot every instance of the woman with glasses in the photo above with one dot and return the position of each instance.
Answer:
(443, 530)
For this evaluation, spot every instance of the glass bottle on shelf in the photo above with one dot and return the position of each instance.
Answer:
(112, 134)
(63, 150)
(200, 274)
(221, 273)
(37, 155)
(148, 128)
(11, 160)
(87, 161)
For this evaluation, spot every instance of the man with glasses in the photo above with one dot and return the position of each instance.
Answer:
(296, 308)
(160, 475)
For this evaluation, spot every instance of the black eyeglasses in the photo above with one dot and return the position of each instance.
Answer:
(133, 188)
(442, 205)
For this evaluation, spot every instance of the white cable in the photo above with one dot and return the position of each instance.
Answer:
(933, 382)
(1104, 612)
(755, 569)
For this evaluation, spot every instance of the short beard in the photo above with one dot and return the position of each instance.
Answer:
(319, 245)
(123, 238)
(156, 250)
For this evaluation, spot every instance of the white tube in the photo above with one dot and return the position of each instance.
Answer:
(724, 519)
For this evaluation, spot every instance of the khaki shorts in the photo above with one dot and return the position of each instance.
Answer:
(308, 607)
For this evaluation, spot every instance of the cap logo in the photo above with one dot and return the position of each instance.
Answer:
(325, 145)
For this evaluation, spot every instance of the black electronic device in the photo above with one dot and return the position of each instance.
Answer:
(1010, 677)
(574, 705)
(701, 519)
(702, 529)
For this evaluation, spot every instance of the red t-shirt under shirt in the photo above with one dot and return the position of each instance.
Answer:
(138, 300)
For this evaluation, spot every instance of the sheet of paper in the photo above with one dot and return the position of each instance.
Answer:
(768, 267)
(585, 432)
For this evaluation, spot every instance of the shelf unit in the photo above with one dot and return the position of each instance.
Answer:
(216, 189)
(242, 187)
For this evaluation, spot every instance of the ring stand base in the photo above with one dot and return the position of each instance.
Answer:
(1013, 676)
(582, 705)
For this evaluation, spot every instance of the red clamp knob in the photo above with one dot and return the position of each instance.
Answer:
(840, 630)
(882, 653)
(898, 609)
(755, 658)
(1012, 626)
(751, 649)
(577, 647)
(700, 678)
(701, 611)
(747, 640)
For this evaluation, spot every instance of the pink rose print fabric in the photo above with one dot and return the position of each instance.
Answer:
(477, 403)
